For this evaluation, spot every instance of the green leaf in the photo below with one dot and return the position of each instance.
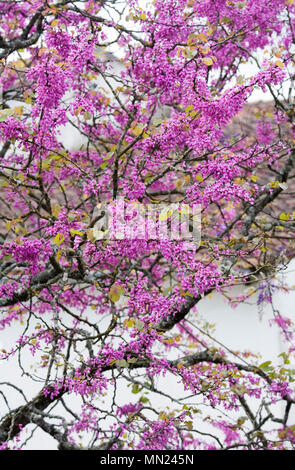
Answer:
(139, 325)
(265, 365)
(5, 113)
(167, 291)
(122, 363)
(144, 400)
(136, 388)
(189, 425)
(87, 116)
(132, 360)
(225, 20)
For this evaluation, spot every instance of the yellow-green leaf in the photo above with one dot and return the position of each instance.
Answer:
(56, 209)
(104, 164)
(208, 61)
(201, 37)
(284, 216)
(169, 341)
(114, 294)
(122, 363)
(59, 238)
(199, 178)
(137, 130)
(139, 324)
(18, 110)
(76, 232)
(279, 63)
(130, 323)
(189, 108)
(9, 225)
(5, 113)
(164, 215)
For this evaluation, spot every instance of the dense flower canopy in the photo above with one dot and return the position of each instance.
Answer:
(152, 89)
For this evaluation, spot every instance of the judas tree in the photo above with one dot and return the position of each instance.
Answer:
(111, 324)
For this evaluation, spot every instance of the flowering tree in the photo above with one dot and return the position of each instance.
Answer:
(106, 318)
